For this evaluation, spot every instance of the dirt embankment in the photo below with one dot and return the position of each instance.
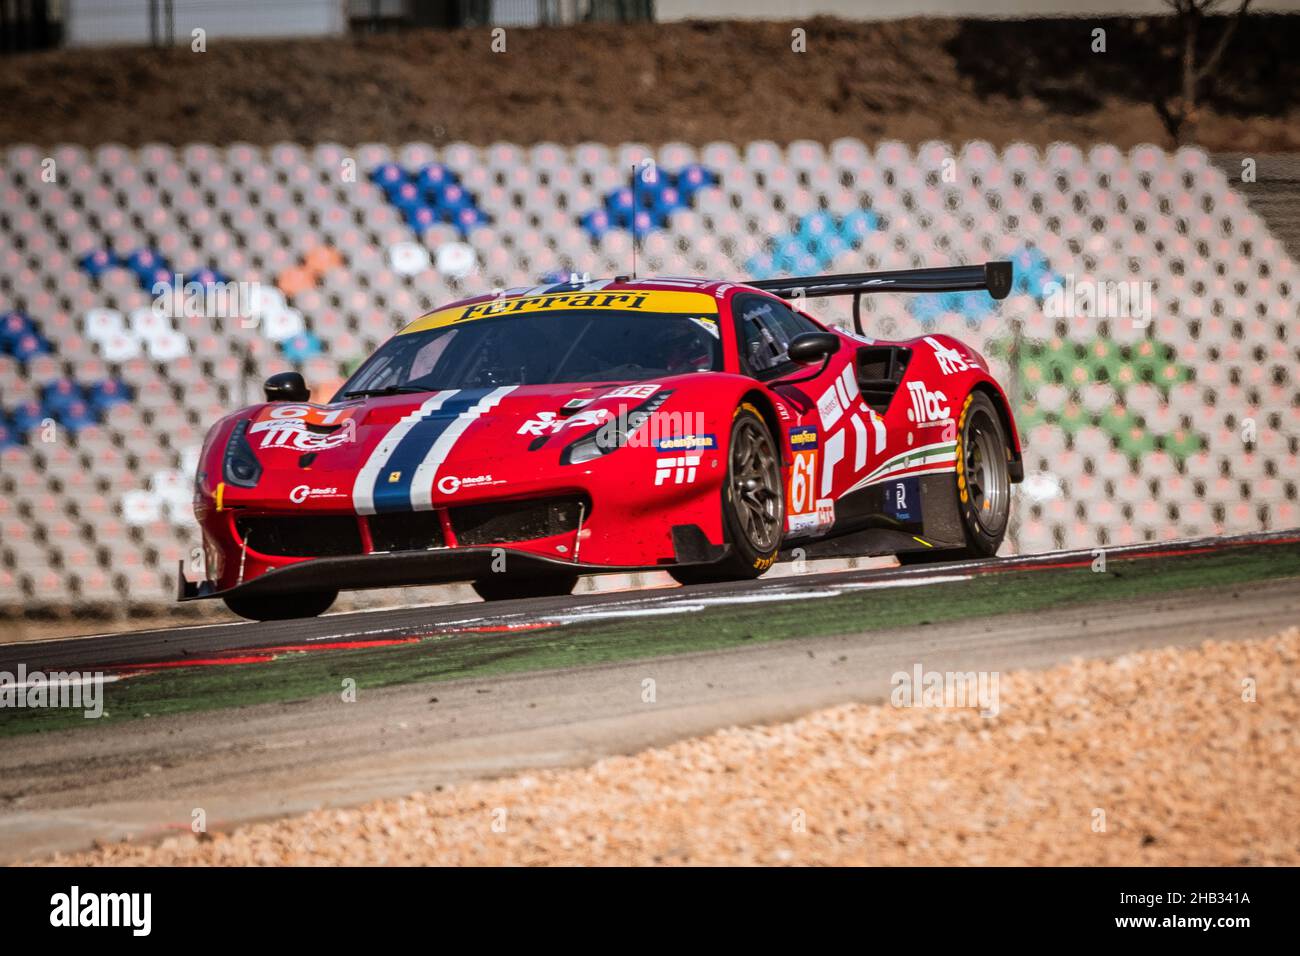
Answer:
(1167, 757)
(695, 82)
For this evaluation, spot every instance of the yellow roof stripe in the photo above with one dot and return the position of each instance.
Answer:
(637, 300)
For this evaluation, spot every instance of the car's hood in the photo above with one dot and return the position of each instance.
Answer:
(393, 450)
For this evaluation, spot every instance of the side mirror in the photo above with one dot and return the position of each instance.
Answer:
(286, 387)
(812, 347)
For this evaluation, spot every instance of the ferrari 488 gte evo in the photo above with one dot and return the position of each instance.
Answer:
(704, 428)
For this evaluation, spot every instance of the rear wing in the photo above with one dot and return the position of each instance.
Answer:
(992, 277)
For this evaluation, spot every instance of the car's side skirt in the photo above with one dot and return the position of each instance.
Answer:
(917, 513)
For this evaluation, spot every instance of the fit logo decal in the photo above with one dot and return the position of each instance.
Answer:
(681, 469)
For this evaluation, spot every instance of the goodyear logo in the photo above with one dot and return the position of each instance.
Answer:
(686, 443)
(696, 303)
(803, 436)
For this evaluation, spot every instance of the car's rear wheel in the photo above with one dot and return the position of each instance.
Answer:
(753, 505)
(982, 484)
(281, 607)
(504, 587)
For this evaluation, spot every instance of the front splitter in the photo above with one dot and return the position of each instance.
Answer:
(399, 569)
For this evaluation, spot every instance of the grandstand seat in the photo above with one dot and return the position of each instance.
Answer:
(1161, 399)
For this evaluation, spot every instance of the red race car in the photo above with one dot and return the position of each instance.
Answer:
(704, 428)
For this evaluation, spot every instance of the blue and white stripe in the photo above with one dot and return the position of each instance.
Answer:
(399, 474)
(427, 472)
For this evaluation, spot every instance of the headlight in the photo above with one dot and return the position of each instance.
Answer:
(614, 433)
(241, 466)
(602, 441)
(583, 451)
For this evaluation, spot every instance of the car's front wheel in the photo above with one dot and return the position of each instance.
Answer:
(281, 607)
(753, 505)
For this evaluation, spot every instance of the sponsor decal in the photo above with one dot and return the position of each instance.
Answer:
(800, 523)
(819, 518)
(838, 399)
(548, 423)
(950, 360)
(632, 301)
(680, 470)
(295, 436)
(802, 437)
(305, 427)
(303, 492)
(644, 390)
(903, 499)
(686, 443)
(927, 407)
(832, 456)
(594, 416)
(828, 406)
(450, 484)
(825, 512)
(680, 303)
(545, 423)
(708, 325)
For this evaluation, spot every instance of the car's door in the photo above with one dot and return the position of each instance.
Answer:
(829, 442)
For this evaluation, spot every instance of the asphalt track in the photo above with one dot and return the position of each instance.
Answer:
(62, 790)
(199, 641)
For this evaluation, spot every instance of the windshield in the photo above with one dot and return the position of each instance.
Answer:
(578, 345)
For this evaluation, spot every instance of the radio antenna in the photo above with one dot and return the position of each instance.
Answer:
(636, 206)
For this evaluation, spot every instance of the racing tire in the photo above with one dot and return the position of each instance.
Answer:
(281, 607)
(753, 505)
(982, 484)
(503, 587)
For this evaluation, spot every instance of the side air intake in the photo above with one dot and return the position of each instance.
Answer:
(880, 372)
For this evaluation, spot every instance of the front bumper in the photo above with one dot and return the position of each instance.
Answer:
(433, 566)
